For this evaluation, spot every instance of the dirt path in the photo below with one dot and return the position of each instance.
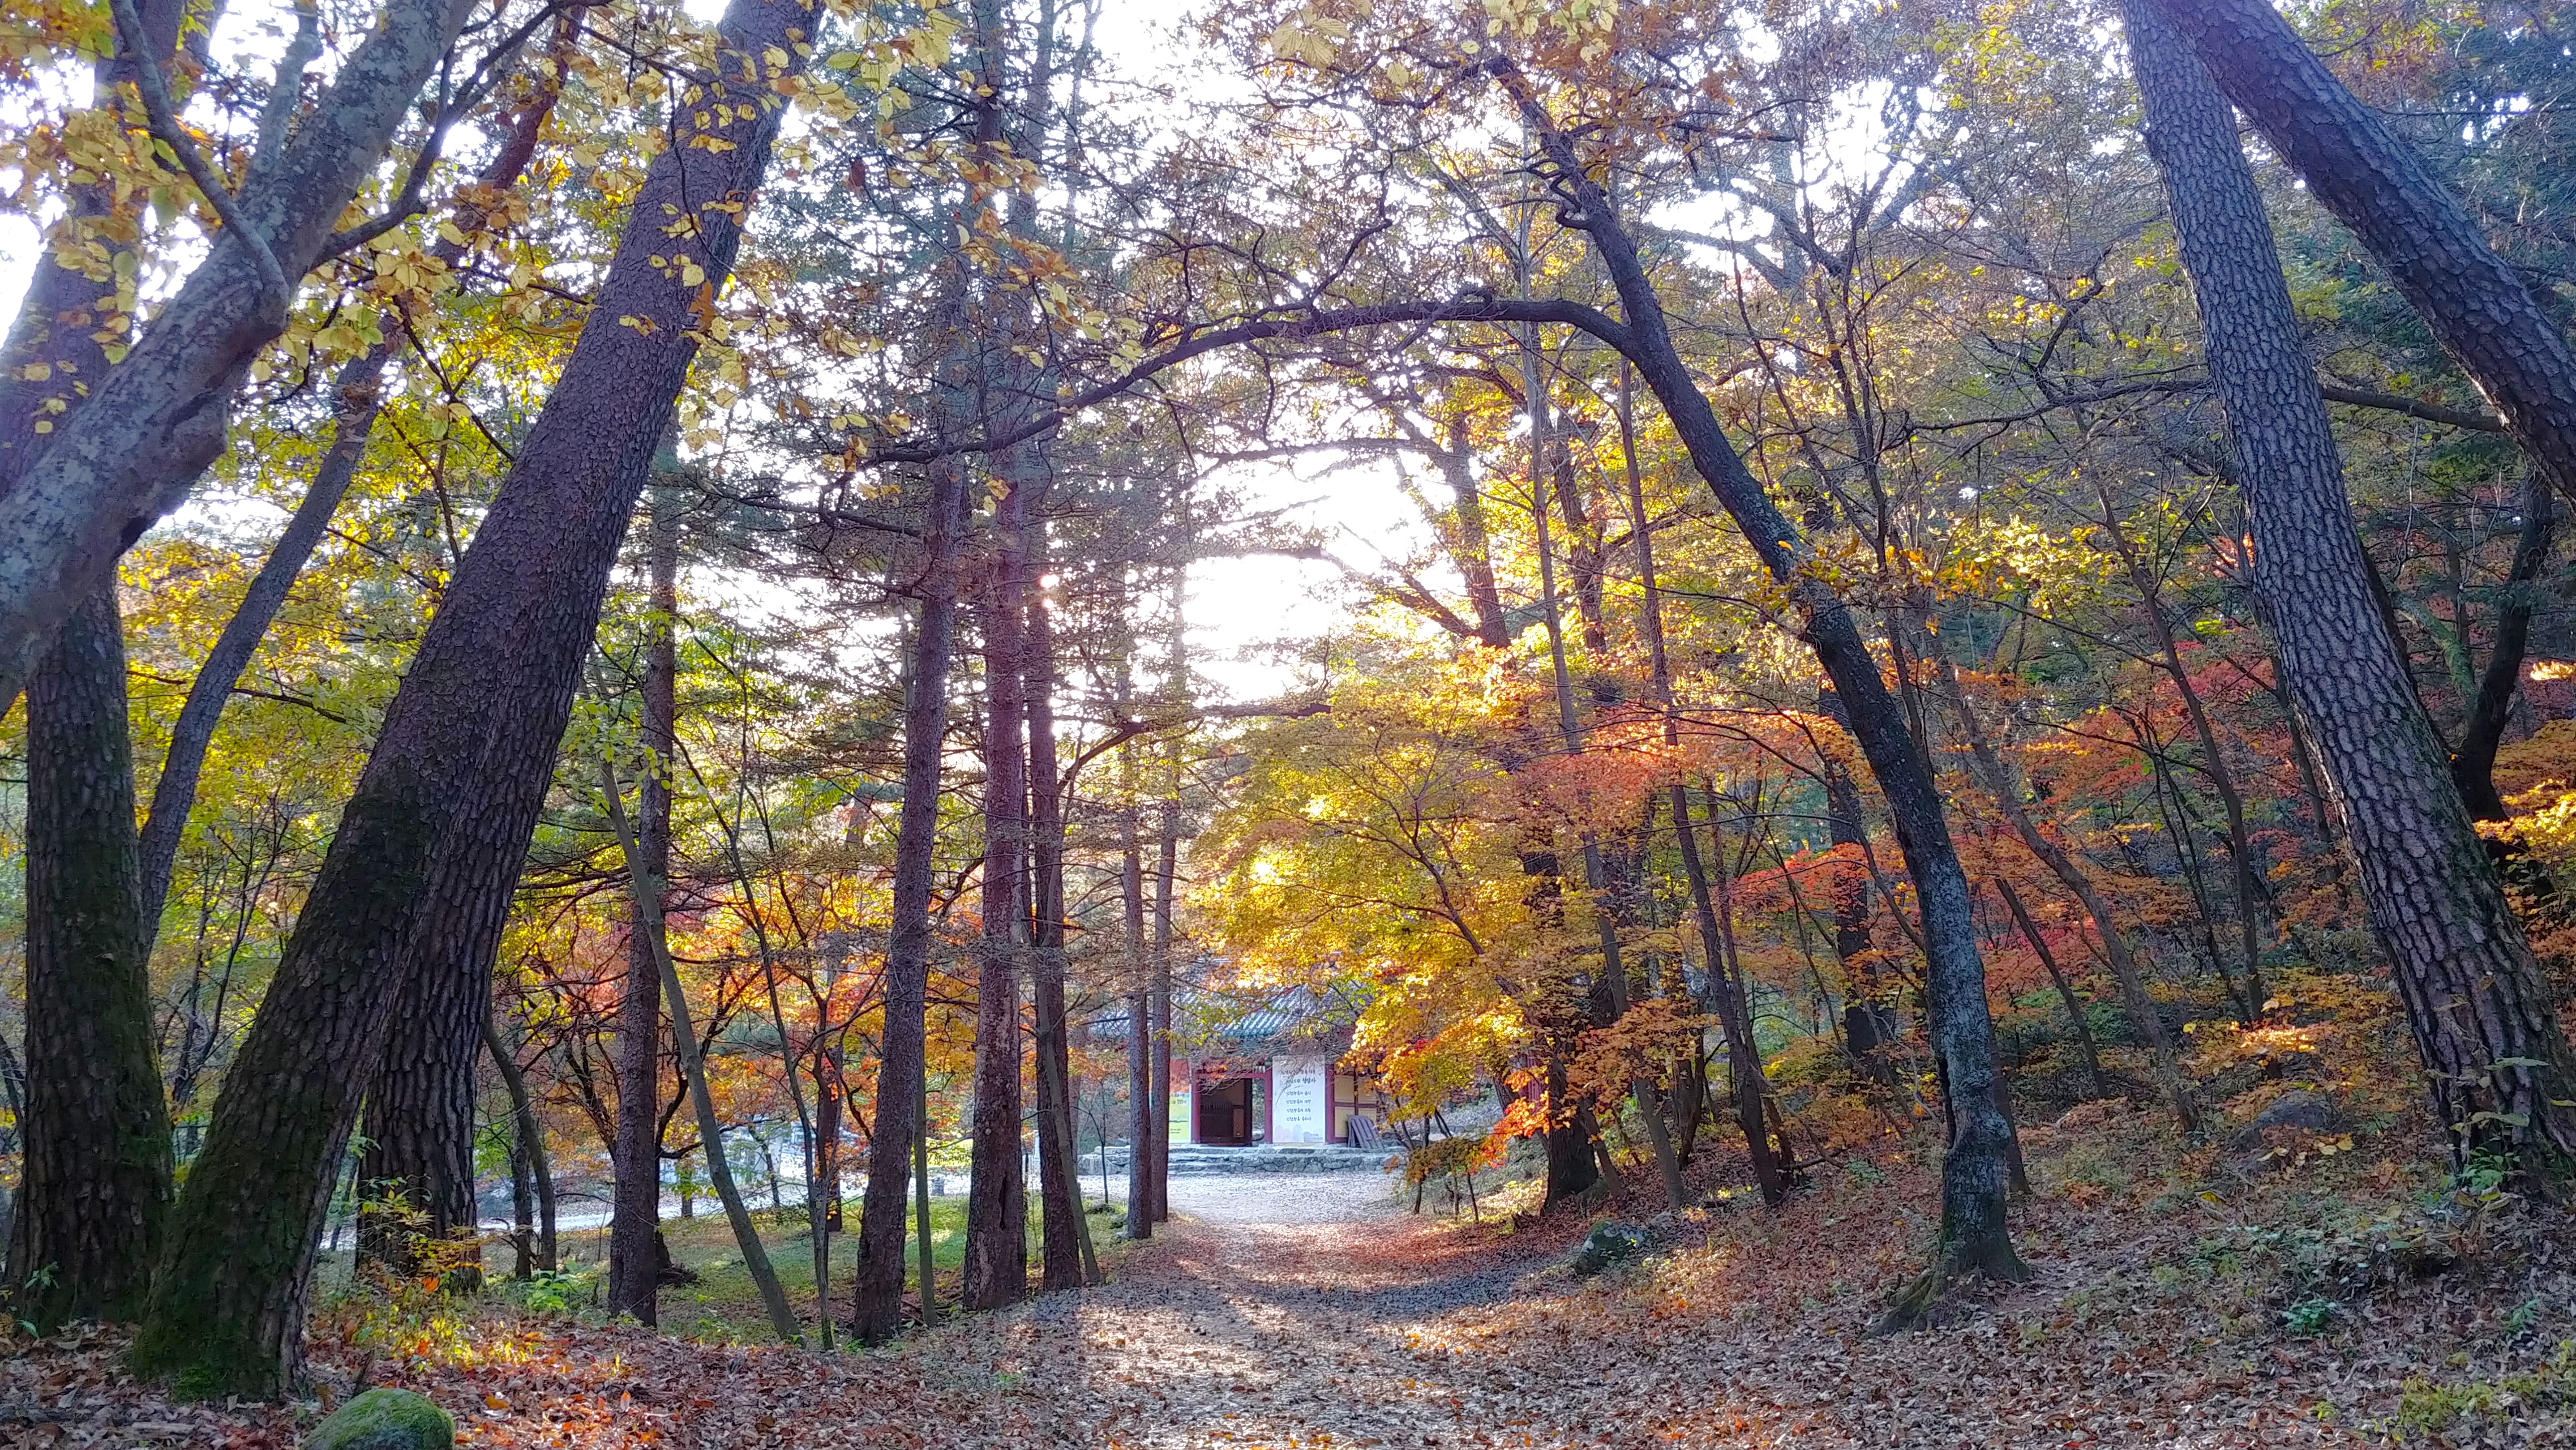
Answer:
(1281, 1312)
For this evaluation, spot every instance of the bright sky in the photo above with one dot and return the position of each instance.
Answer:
(1243, 610)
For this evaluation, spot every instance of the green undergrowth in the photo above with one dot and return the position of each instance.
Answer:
(719, 1304)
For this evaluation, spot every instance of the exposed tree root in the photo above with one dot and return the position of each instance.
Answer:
(1918, 1305)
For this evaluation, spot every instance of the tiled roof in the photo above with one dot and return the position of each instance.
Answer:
(1204, 1013)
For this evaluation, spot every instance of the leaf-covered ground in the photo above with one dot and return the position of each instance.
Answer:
(2177, 1300)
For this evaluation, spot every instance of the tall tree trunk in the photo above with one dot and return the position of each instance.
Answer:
(420, 1104)
(899, 1132)
(1167, 872)
(1065, 1250)
(1975, 1236)
(997, 1193)
(645, 892)
(1614, 970)
(1141, 1118)
(95, 1184)
(1167, 875)
(929, 1260)
(1650, 627)
(635, 1252)
(2472, 300)
(464, 759)
(2497, 1064)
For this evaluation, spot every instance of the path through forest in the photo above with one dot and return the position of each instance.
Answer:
(1282, 1309)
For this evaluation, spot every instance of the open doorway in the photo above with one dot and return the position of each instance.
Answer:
(1225, 1113)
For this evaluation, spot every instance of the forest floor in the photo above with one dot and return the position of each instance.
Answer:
(2178, 1299)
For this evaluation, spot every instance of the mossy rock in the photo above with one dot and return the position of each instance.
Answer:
(1606, 1245)
(384, 1420)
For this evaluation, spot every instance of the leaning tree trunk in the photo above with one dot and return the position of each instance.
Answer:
(95, 1185)
(2222, 777)
(2075, 1014)
(357, 398)
(2472, 300)
(465, 753)
(896, 1136)
(1725, 998)
(635, 1251)
(1974, 1237)
(2498, 1067)
(420, 1105)
(997, 1194)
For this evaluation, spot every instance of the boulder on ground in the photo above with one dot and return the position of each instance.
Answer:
(1608, 1244)
(384, 1420)
(2286, 1119)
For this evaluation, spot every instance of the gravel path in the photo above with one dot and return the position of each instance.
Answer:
(1276, 1310)
(1249, 1200)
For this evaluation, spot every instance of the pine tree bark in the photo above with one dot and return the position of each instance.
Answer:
(465, 755)
(635, 1250)
(2497, 1064)
(420, 1104)
(94, 1193)
(895, 1139)
(997, 1192)
(2472, 300)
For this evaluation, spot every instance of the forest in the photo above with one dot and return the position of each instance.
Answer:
(1881, 698)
